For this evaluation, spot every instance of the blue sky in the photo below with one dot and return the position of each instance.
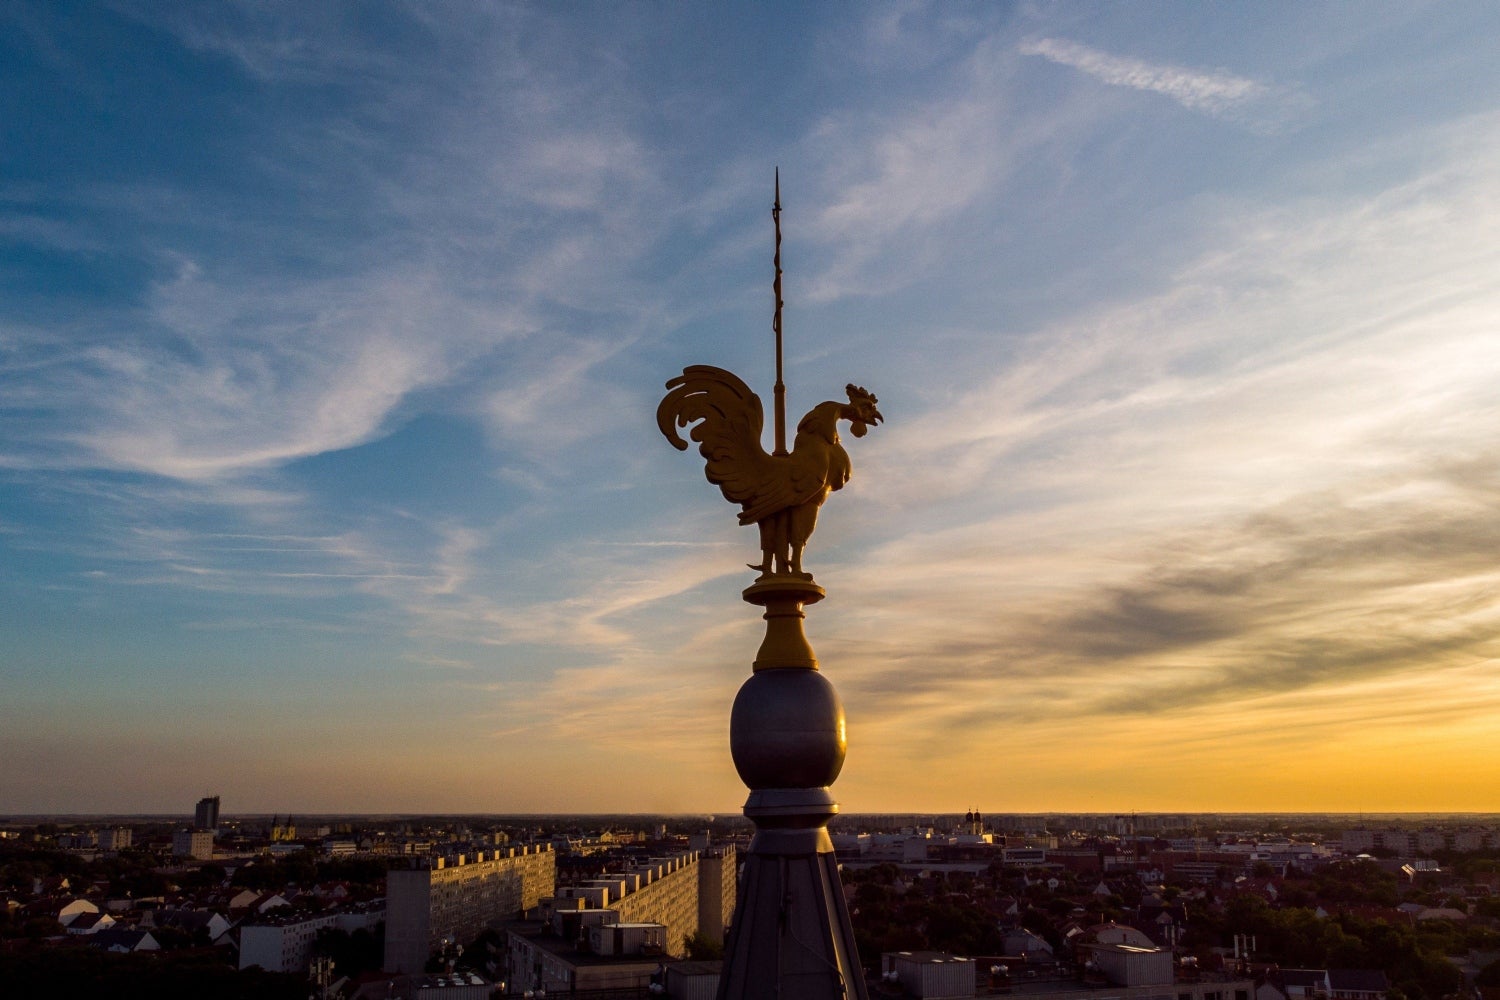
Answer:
(331, 338)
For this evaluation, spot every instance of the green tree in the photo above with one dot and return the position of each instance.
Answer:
(352, 952)
(1489, 975)
(700, 947)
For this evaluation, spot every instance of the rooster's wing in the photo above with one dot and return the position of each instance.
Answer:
(729, 421)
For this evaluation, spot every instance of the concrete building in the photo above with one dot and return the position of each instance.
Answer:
(693, 980)
(616, 931)
(1470, 840)
(689, 893)
(281, 944)
(196, 844)
(284, 943)
(559, 956)
(1227, 989)
(717, 871)
(450, 986)
(457, 897)
(1404, 843)
(930, 975)
(113, 839)
(1132, 964)
(1427, 841)
(670, 893)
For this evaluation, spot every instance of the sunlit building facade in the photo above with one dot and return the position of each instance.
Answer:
(452, 899)
(196, 844)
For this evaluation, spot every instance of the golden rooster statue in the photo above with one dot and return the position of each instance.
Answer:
(779, 492)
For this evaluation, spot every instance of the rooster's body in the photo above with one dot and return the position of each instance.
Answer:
(780, 493)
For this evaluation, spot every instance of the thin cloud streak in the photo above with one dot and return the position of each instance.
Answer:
(1196, 90)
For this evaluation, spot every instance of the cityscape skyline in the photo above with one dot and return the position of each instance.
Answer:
(331, 340)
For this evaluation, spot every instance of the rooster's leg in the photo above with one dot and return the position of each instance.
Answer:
(767, 549)
(795, 568)
(800, 523)
(783, 542)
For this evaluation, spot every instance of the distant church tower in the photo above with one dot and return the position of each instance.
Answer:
(973, 823)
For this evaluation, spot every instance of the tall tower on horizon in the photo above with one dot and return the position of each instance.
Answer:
(791, 938)
(206, 815)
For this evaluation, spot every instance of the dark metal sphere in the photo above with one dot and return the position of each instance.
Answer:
(787, 730)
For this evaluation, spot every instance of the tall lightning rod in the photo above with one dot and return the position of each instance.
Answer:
(776, 325)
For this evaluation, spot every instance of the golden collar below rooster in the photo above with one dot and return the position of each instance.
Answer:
(781, 493)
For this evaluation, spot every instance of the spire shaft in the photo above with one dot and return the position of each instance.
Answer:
(780, 399)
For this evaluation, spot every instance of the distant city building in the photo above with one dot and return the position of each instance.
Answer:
(670, 891)
(1406, 843)
(196, 844)
(1133, 964)
(1428, 841)
(717, 880)
(83, 841)
(1228, 989)
(206, 816)
(929, 975)
(284, 943)
(281, 944)
(583, 950)
(614, 930)
(451, 986)
(1470, 840)
(456, 898)
(114, 839)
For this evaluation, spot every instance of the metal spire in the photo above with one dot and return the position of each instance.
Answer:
(791, 938)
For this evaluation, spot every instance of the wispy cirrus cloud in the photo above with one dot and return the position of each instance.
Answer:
(318, 368)
(238, 364)
(1216, 92)
(1201, 91)
(904, 174)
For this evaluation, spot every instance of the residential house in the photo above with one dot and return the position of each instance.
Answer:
(1357, 984)
(122, 940)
